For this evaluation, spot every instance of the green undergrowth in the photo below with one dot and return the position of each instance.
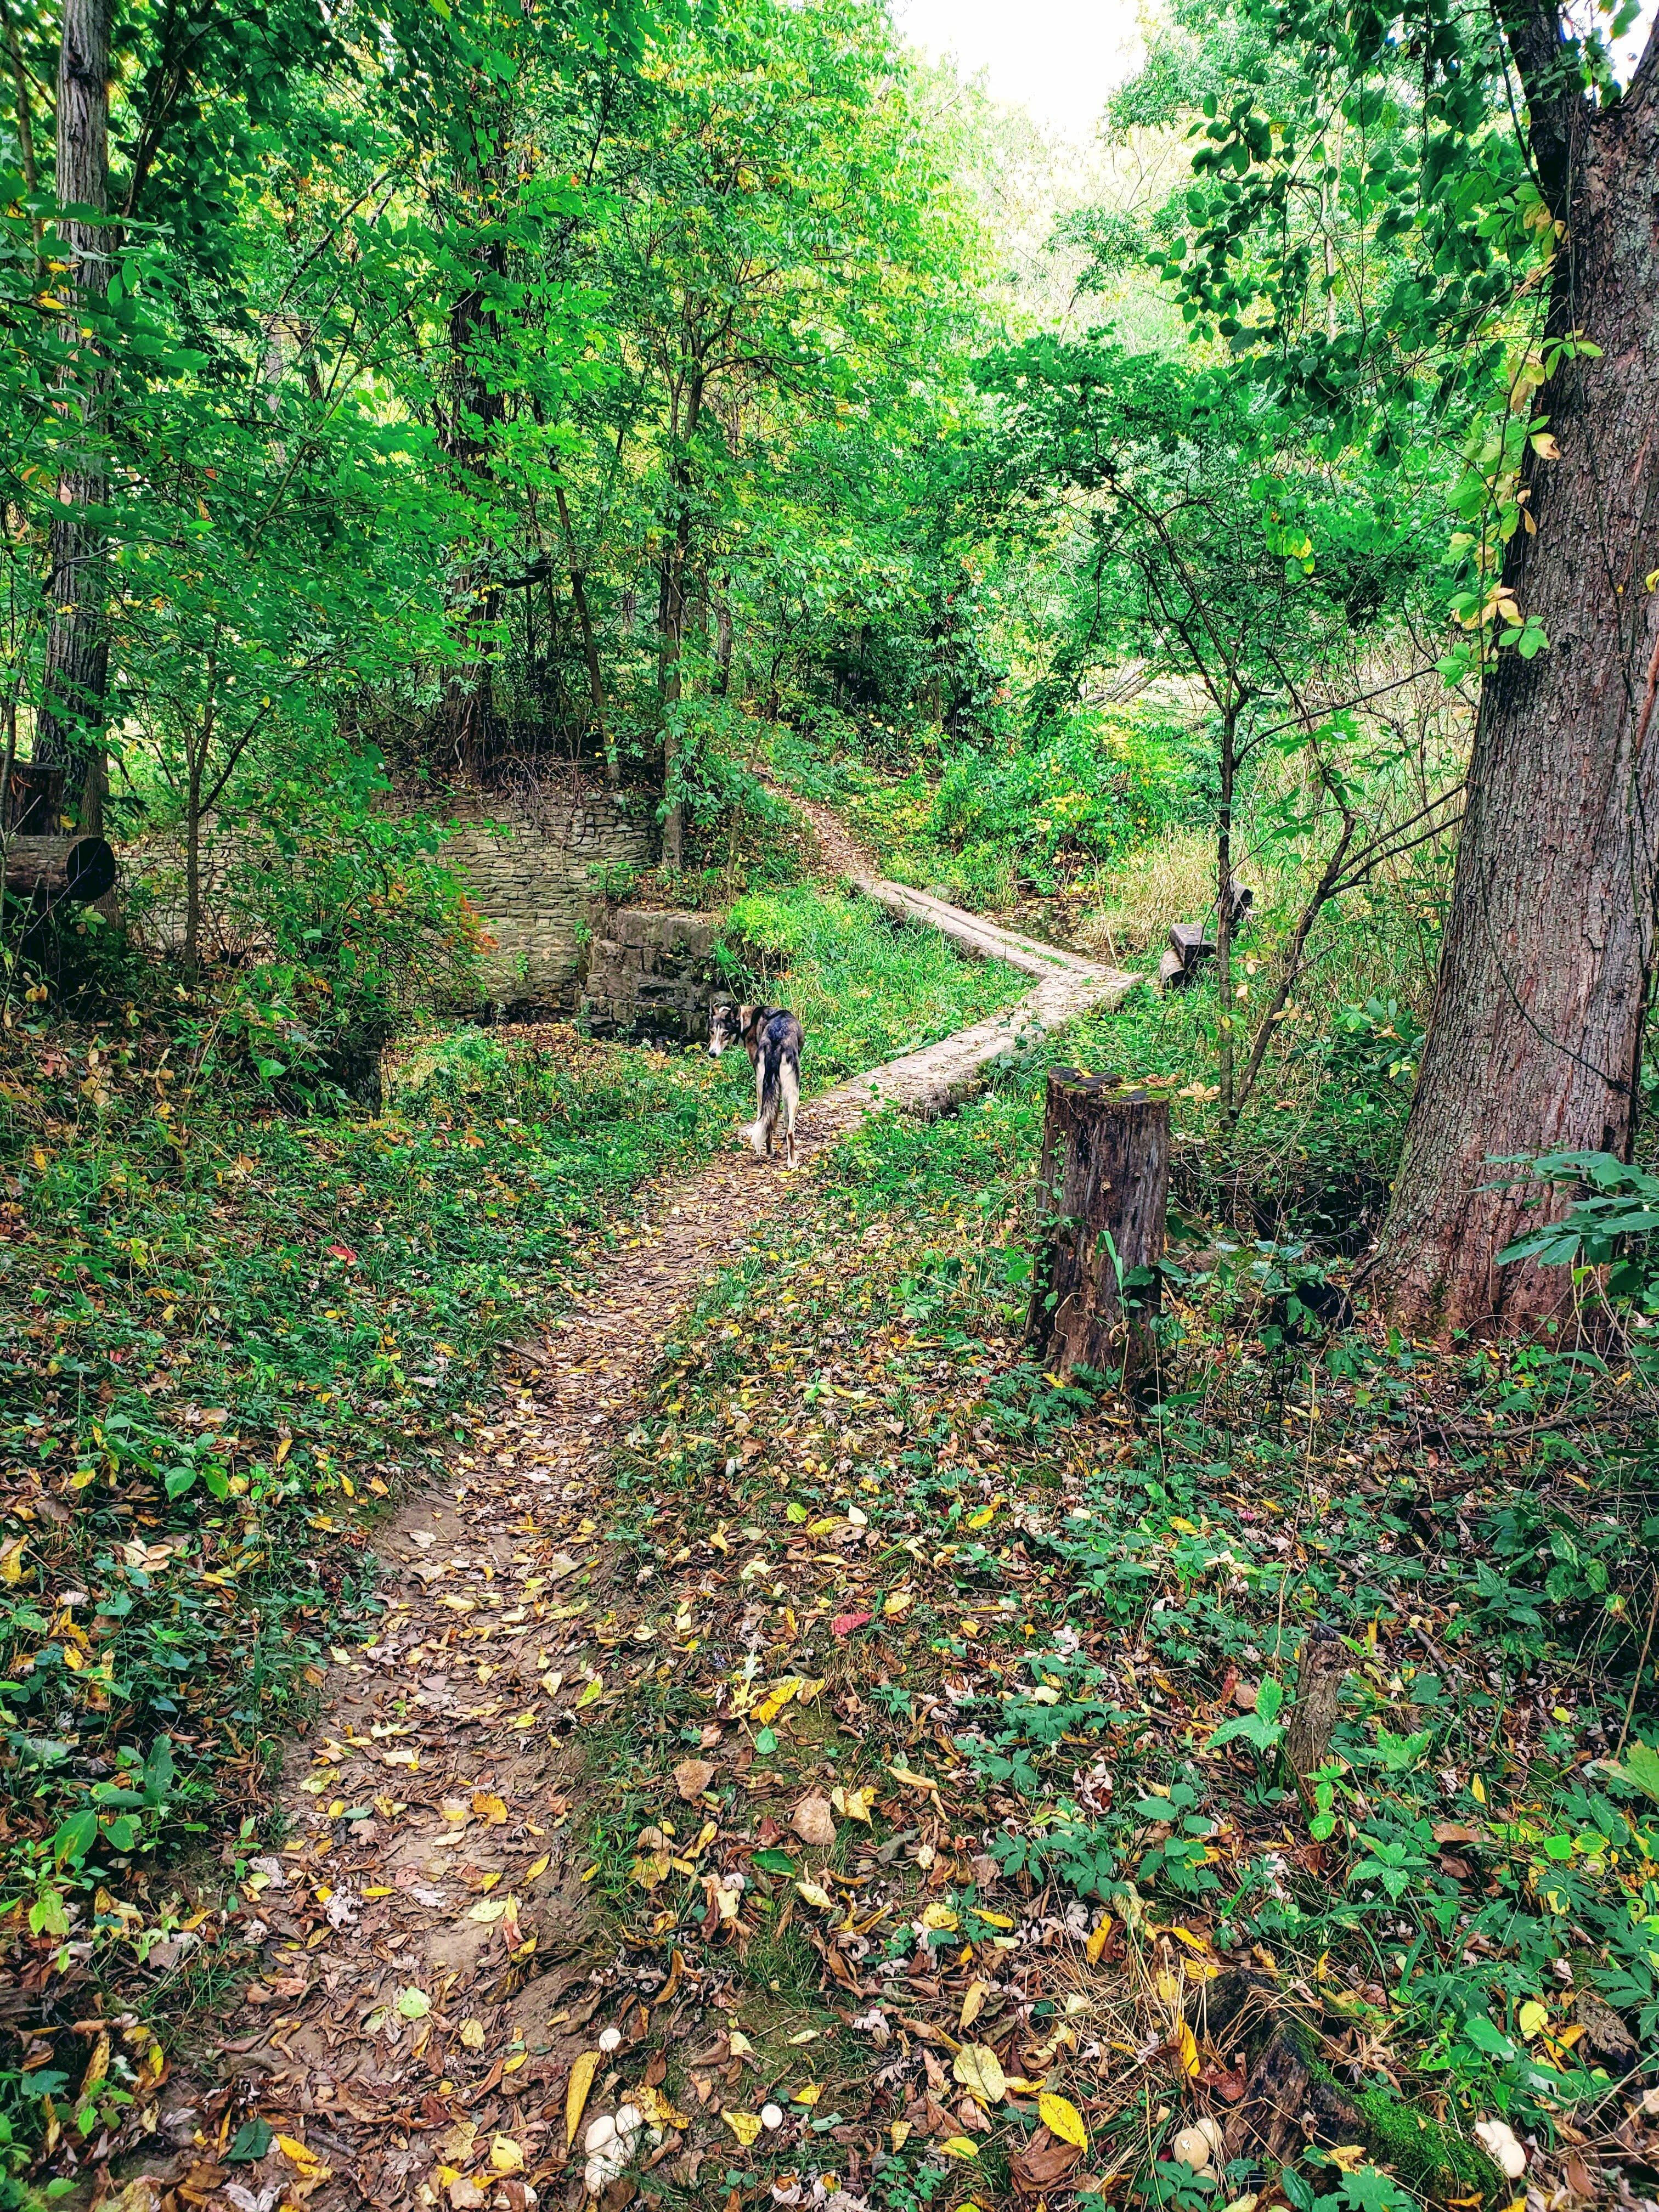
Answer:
(226, 1340)
(1086, 1624)
(866, 988)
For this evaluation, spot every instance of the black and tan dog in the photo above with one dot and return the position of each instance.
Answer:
(772, 1038)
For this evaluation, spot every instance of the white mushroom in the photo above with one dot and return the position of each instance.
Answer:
(600, 2131)
(630, 2120)
(609, 2040)
(1503, 2147)
(1199, 2146)
(771, 2116)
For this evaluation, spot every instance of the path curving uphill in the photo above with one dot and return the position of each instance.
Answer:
(426, 1942)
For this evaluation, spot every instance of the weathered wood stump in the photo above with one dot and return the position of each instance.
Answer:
(1320, 1674)
(1106, 1173)
(50, 870)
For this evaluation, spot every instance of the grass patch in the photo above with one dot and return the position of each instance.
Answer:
(867, 987)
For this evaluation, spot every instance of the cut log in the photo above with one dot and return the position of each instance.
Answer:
(1106, 1176)
(34, 800)
(49, 870)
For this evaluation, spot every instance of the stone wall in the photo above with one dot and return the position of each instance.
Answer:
(535, 873)
(651, 974)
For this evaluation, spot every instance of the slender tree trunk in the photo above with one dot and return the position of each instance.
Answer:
(590, 649)
(1533, 1045)
(676, 567)
(1223, 912)
(473, 411)
(71, 718)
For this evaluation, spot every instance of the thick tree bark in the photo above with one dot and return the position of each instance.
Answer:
(1106, 1172)
(1535, 1042)
(71, 717)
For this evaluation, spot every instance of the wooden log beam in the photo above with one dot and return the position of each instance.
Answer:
(1106, 1175)
(51, 870)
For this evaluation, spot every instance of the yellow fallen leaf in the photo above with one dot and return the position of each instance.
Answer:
(808, 2094)
(979, 2069)
(506, 2156)
(1349, 2156)
(594, 1690)
(815, 1894)
(974, 2003)
(900, 2132)
(488, 1909)
(1193, 1942)
(1062, 2118)
(512, 2064)
(898, 1603)
(472, 2034)
(941, 1917)
(1186, 2047)
(738, 2043)
(658, 2112)
(982, 1516)
(854, 1804)
(745, 2126)
(488, 1808)
(777, 1698)
(11, 1560)
(903, 1774)
(575, 2095)
(959, 2147)
(1098, 1940)
(293, 2149)
(539, 1867)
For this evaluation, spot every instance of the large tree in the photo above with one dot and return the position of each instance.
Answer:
(1440, 239)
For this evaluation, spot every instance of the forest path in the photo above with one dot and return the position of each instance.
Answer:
(429, 1945)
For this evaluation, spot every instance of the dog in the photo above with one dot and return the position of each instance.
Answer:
(773, 1039)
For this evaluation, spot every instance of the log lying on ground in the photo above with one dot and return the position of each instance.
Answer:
(52, 870)
(1106, 1172)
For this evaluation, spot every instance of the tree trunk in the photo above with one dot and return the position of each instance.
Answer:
(677, 566)
(1224, 914)
(71, 718)
(1106, 1172)
(590, 649)
(1535, 1042)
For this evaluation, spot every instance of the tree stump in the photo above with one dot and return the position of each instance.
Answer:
(1106, 1173)
(1320, 1674)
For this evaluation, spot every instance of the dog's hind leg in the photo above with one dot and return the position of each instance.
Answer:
(759, 1132)
(790, 1086)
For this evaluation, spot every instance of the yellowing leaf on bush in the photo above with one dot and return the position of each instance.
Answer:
(745, 2126)
(575, 2094)
(1062, 2118)
(979, 2069)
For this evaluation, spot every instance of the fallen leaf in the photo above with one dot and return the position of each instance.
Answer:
(959, 2147)
(575, 2095)
(488, 1808)
(745, 2126)
(472, 2034)
(691, 1778)
(815, 1895)
(506, 2156)
(778, 1696)
(974, 2003)
(979, 2069)
(845, 1624)
(413, 2004)
(813, 1822)
(1063, 2119)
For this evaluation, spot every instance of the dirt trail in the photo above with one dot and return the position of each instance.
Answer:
(425, 1934)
